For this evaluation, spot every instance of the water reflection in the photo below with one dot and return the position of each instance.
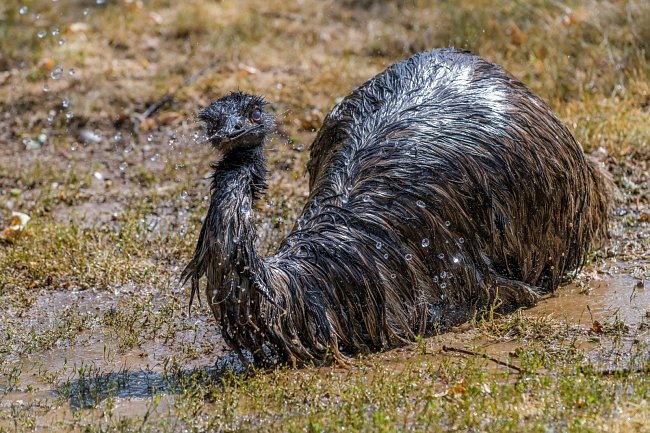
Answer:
(92, 386)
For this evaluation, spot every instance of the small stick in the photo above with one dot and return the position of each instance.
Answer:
(483, 355)
(170, 95)
(622, 371)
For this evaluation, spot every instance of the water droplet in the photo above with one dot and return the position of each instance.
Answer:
(441, 256)
(56, 72)
(366, 198)
(420, 203)
(456, 260)
(65, 103)
(378, 245)
(55, 31)
(23, 10)
(155, 157)
(435, 278)
(393, 275)
(62, 41)
(71, 72)
(86, 12)
(443, 274)
(74, 146)
(46, 88)
(425, 243)
(123, 166)
(443, 285)
(386, 256)
(41, 34)
(150, 138)
(447, 223)
(50, 118)
(408, 257)
(184, 195)
(69, 115)
(118, 137)
(461, 240)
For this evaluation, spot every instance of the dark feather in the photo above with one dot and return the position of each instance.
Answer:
(439, 187)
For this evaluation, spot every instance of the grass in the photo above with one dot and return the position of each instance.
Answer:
(96, 335)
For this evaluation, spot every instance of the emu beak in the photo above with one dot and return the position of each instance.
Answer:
(230, 133)
(231, 129)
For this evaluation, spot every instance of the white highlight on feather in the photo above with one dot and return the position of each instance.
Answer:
(461, 80)
(494, 98)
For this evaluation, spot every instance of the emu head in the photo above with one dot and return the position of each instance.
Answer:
(237, 121)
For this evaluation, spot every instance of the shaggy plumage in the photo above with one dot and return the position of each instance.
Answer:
(439, 187)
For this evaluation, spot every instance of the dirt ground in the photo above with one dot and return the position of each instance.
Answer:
(95, 332)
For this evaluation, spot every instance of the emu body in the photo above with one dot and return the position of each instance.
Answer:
(437, 188)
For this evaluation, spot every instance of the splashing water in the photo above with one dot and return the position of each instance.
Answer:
(56, 73)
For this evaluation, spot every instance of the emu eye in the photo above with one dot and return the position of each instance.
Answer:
(256, 115)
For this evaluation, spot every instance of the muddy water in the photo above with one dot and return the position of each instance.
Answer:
(81, 377)
(618, 297)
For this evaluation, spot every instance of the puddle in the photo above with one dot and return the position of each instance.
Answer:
(612, 297)
(64, 380)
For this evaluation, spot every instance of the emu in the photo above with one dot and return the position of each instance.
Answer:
(440, 187)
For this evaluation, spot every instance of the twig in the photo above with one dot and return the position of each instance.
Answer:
(622, 371)
(139, 118)
(483, 355)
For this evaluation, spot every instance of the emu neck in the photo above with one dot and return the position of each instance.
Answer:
(247, 167)
(225, 252)
(238, 180)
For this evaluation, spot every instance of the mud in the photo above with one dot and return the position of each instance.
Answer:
(620, 298)
(88, 371)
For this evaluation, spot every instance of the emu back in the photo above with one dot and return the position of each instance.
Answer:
(437, 188)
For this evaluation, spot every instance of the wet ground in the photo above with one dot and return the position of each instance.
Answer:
(66, 381)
